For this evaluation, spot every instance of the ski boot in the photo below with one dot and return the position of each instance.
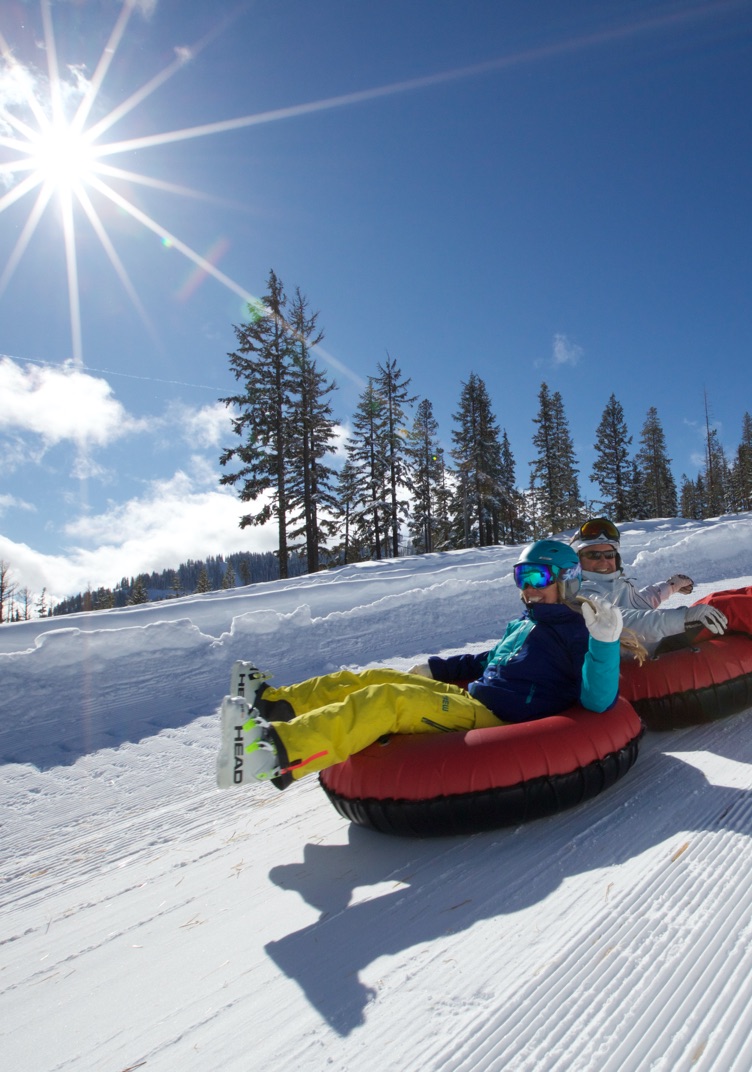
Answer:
(247, 752)
(247, 681)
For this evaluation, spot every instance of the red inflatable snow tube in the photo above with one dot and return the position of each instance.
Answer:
(434, 785)
(709, 681)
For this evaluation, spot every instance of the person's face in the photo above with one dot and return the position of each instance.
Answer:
(549, 594)
(598, 558)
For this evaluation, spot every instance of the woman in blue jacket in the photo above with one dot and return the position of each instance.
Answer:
(557, 654)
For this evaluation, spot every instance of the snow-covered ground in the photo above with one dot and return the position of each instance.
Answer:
(150, 921)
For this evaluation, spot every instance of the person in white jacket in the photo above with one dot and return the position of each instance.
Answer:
(597, 543)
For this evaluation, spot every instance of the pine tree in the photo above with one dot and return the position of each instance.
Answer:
(554, 471)
(173, 582)
(347, 497)
(393, 390)
(690, 498)
(611, 470)
(366, 453)
(571, 502)
(138, 592)
(425, 457)
(312, 438)
(442, 522)
(264, 414)
(658, 490)
(544, 469)
(203, 583)
(228, 581)
(41, 604)
(717, 476)
(245, 572)
(741, 471)
(513, 528)
(477, 452)
(103, 599)
(637, 503)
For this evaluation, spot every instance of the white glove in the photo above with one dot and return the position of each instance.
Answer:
(605, 622)
(712, 618)
(422, 669)
(680, 582)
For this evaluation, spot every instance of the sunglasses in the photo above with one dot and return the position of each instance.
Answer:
(598, 554)
(598, 526)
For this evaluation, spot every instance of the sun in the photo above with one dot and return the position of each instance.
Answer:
(62, 157)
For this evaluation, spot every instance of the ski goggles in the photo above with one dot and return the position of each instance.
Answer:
(598, 526)
(540, 576)
(534, 576)
(595, 555)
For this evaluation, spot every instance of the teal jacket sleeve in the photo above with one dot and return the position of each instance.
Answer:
(600, 675)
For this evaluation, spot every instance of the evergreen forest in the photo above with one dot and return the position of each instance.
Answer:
(397, 489)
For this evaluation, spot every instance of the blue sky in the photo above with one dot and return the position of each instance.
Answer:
(525, 190)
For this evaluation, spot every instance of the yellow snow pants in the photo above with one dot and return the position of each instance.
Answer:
(339, 714)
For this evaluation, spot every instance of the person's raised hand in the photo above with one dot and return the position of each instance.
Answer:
(604, 622)
(680, 582)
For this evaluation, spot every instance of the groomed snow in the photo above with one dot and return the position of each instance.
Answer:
(150, 921)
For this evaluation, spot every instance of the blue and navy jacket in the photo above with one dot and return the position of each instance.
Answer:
(545, 662)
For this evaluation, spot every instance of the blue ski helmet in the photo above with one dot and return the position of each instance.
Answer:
(562, 558)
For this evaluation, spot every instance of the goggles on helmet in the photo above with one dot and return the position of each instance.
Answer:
(597, 526)
(540, 576)
(534, 576)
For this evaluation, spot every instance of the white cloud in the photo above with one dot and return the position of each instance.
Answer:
(342, 433)
(10, 502)
(209, 426)
(16, 84)
(62, 403)
(16, 453)
(85, 467)
(566, 352)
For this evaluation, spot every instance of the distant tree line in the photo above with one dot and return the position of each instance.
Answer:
(205, 575)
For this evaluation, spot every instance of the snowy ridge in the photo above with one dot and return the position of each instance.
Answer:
(160, 924)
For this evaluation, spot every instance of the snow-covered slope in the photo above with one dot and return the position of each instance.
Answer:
(149, 921)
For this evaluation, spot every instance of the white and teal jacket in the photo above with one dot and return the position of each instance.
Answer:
(638, 606)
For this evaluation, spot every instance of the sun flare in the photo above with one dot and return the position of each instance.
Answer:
(51, 154)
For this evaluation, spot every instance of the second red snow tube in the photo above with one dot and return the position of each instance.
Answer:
(709, 681)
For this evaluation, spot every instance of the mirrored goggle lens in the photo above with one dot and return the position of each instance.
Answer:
(599, 526)
(534, 576)
(598, 554)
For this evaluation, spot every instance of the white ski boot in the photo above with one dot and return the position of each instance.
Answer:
(247, 752)
(246, 680)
